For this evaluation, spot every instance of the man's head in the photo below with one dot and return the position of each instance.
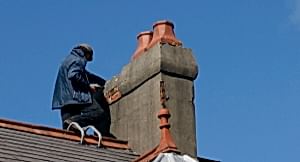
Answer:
(87, 50)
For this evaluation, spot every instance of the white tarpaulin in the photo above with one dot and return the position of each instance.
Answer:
(171, 157)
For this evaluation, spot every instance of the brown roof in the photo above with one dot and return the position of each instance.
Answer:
(27, 142)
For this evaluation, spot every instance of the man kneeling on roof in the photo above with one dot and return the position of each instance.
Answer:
(79, 93)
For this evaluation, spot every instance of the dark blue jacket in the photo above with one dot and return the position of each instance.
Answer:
(72, 83)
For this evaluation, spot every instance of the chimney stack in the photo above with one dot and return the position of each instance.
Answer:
(134, 98)
(166, 143)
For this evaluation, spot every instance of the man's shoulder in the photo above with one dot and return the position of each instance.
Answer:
(71, 59)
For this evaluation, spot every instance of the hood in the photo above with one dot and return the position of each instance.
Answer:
(77, 52)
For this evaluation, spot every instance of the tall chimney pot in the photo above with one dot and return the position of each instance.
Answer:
(144, 38)
(163, 32)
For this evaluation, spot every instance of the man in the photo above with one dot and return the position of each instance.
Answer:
(78, 93)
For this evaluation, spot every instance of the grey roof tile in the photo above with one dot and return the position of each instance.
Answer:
(16, 145)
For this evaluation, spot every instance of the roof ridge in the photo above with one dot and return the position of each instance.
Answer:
(62, 134)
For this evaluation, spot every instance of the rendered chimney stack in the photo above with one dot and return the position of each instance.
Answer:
(133, 92)
(144, 38)
(163, 32)
(166, 143)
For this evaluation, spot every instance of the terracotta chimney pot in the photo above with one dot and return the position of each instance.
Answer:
(163, 32)
(144, 38)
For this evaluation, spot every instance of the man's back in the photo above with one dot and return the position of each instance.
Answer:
(79, 94)
(71, 85)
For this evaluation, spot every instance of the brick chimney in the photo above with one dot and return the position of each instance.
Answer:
(134, 94)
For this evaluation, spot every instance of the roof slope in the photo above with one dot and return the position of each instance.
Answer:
(18, 145)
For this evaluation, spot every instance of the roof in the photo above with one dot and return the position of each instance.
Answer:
(26, 142)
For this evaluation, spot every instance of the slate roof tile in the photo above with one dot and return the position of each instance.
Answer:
(19, 145)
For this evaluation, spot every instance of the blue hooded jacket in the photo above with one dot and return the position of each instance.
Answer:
(72, 84)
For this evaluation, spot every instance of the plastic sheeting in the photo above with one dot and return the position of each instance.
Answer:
(171, 157)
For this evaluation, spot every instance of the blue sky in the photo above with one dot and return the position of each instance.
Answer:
(247, 91)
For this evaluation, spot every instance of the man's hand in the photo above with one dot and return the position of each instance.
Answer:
(94, 87)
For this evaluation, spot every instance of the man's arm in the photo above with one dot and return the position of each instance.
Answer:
(95, 79)
(76, 73)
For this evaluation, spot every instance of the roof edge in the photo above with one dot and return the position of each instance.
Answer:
(62, 134)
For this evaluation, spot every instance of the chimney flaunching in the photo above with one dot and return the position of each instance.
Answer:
(134, 98)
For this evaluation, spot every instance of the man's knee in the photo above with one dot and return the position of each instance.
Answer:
(67, 112)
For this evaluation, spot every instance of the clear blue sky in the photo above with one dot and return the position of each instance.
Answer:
(248, 89)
